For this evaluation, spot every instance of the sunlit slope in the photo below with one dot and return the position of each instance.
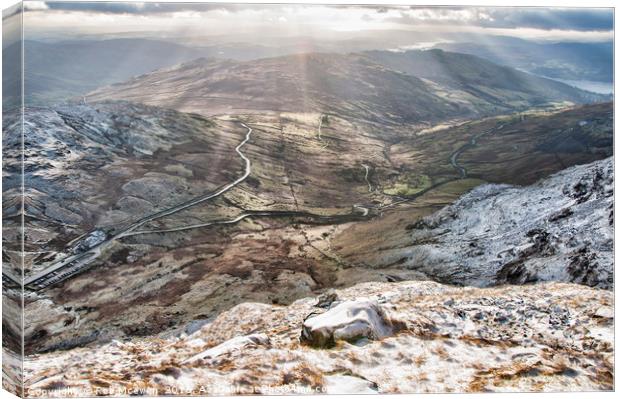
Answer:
(352, 86)
(343, 84)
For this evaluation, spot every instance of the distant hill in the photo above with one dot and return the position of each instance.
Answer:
(55, 71)
(495, 83)
(564, 60)
(346, 84)
(415, 86)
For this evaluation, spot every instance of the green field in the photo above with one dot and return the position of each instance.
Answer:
(408, 184)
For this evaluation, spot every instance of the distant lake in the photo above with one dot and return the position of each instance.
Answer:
(590, 85)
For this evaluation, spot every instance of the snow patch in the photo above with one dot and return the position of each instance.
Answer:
(348, 321)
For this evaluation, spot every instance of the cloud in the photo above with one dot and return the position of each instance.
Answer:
(144, 8)
(113, 8)
(35, 5)
(545, 18)
(216, 19)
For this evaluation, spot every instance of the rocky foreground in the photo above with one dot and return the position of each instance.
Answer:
(369, 338)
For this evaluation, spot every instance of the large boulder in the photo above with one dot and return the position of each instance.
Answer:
(349, 321)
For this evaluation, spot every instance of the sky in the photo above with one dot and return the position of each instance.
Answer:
(50, 19)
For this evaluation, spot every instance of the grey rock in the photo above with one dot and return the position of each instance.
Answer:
(559, 229)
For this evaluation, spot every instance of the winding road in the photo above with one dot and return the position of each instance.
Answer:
(73, 263)
(471, 143)
(454, 162)
(367, 169)
(319, 132)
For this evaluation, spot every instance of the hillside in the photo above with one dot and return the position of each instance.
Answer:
(204, 199)
(504, 338)
(517, 150)
(352, 86)
(481, 78)
(559, 229)
(348, 85)
(52, 74)
(86, 168)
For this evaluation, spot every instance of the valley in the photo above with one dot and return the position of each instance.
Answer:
(295, 213)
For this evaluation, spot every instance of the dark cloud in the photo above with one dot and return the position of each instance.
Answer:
(133, 8)
(152, 8)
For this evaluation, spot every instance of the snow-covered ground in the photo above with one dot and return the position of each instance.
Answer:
(432, 338)
(560, 229)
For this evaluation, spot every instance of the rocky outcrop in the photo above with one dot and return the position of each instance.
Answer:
(560, 229)
(348, 321)
(548, 336)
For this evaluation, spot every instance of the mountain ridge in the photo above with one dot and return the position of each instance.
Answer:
(355, 84)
